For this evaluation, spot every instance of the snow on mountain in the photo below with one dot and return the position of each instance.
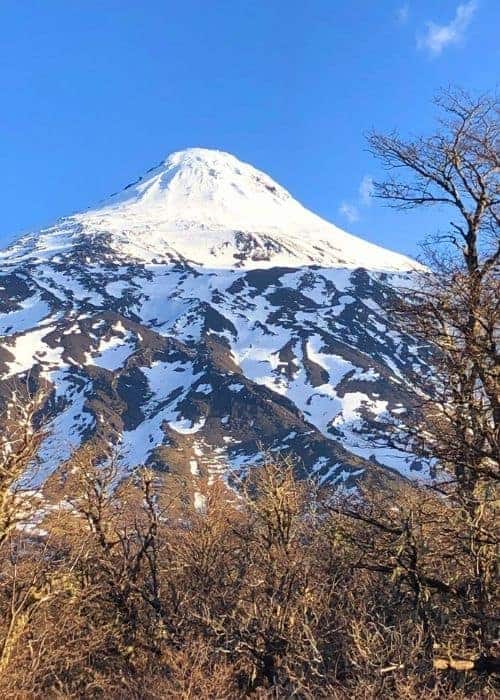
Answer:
(203, 314)
(210, 209)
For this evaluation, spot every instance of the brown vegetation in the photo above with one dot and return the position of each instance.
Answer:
(286, 591)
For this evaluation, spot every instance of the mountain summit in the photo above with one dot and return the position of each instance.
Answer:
(203, 315)
(208, 208)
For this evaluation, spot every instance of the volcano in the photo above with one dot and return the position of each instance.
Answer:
(201, 317)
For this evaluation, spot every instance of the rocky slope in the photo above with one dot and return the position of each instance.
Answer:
(203, 315)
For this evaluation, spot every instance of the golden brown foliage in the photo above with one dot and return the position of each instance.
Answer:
(284, 591)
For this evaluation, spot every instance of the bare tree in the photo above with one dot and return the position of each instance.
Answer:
(457, 166)
(454, 309)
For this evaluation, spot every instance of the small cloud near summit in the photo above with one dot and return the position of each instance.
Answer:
(438, 36)
(365, 193)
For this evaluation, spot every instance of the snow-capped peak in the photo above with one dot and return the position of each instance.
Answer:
(207, 207)
(214, 181)
(211, 189)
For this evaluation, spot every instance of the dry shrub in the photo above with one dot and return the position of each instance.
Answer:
(284, 590)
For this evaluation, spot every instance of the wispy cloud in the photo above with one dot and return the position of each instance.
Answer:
(438, 36)
(366, 190)
(352, 210)
(349, 211)
(402, 13)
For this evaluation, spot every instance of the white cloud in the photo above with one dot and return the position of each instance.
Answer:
(366, 190)
(439, 36)
(350, 212)
(402, 13)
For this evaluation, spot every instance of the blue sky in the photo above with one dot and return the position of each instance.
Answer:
(94, 92)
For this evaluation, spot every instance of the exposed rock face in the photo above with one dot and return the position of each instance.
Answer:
(203, 315)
